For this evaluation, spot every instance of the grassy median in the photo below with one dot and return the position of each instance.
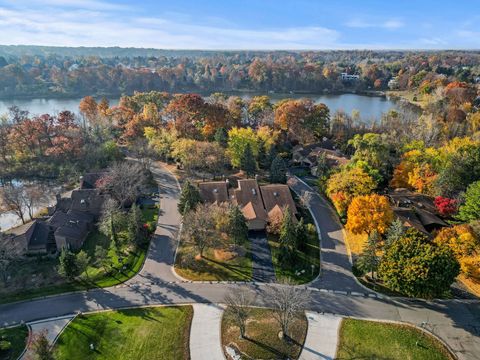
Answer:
(145, 333)
(361, 339)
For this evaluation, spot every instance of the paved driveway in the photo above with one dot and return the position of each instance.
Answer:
(262, 266)
(455, 321)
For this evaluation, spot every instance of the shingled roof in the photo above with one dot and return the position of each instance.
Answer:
(213, 191)
(277, 194)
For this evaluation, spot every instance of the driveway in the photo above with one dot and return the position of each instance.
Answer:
(262, 266)
(336, 271)
(457, 322)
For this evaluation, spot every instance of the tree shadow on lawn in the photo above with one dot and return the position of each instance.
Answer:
(267, 347)
(226, 268)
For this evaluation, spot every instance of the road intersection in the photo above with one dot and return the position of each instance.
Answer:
(336, 291)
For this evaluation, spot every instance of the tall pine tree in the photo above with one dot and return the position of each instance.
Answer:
(288, 237)
(237, 226)
(247, 161)
(278, 171)
(189, 198)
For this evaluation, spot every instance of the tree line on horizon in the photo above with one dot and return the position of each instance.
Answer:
(67, 72)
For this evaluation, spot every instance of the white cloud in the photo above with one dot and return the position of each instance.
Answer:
(90, 27)
(387, 24)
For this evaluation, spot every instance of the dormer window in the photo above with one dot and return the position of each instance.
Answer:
(215, 191)
(82, 201)
(254, 192)
(275, 194)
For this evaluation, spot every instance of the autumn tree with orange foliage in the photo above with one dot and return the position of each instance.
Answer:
(302, 120)
(369, 213)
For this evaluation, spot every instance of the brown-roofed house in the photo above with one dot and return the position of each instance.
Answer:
(213, 191)
(277, 195)
(416, 210)
(248, 197)
(254, 201)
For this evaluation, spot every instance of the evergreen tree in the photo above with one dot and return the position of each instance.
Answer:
(323, 168)
(278, 171)
(394, 232)
(301, 234)
(288, 237)
(262, 156)
(237, 226)
(67, 264)
(247, 161)
(368, 260)
(135, 220)
(81, 262)
(221, 137)
(189, 198)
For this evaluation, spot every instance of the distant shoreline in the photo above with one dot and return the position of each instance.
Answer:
(371, 93)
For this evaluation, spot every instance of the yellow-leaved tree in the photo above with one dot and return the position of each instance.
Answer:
(465, 245)
(343, 186)
(369, 213)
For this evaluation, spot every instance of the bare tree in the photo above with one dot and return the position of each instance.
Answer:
(199, 228)
(13, 199)
(33, 197)
(239, 302)
(287, 302)
(124, 181)
(41, 349)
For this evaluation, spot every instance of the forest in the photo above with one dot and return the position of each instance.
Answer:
(35, 71)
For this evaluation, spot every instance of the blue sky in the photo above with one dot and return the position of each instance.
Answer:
(246, 24)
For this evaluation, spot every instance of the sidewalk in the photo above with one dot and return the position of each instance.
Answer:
(205, 343)
(52, 327)
(322, 337)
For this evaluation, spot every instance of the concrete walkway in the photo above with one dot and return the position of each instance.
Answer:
(322, 337)
(205, 343)
(52, 327)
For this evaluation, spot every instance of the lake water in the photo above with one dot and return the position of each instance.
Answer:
(10, 219)
(370, 107)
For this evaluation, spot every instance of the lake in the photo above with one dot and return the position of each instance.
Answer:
(370, 107)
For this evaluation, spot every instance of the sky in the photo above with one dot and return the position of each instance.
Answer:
(243, 24)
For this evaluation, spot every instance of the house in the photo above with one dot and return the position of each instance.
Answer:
(247, 196)
(308, 155)
(349, 77)
(71, 228)
(277, 196)
(34, 238)
(393, 83)
(87, 200)
(258, 203)
(415, 210)
(214, 191)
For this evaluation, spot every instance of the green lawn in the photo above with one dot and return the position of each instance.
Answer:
(17, 336)
(262, 341)
(209, 268)
(37, 277)
(361, 339)
(305, 257)
(145, 333)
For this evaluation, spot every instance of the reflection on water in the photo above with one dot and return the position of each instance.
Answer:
(370, 107)
(10, 219)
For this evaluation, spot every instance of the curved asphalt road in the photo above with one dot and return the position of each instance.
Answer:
(457, 322)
